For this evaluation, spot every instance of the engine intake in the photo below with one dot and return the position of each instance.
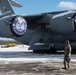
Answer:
(18, 26)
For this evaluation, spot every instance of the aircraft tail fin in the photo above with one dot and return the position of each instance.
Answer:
(13, 3)
(6, 6)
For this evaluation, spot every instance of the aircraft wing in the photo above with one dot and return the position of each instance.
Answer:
(34, 21)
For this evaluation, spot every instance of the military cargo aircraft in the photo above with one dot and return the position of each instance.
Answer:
(42, 32)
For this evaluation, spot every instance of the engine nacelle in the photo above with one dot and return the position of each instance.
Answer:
(64, 22)
(12, 25)
(18, 26)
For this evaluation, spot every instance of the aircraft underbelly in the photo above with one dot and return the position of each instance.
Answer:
(42, 40)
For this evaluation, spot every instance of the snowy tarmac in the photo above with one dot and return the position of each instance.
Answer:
(21, 61)
(22, 54)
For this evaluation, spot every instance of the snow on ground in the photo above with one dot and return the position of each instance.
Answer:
(52, 58)
(22, 54)
(18, 48)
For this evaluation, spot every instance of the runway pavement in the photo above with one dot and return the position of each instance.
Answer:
(21, 53)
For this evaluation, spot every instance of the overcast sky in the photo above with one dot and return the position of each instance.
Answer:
(41, 6)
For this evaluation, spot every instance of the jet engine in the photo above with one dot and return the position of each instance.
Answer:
(64, 22)
(12, 25)
(18, 26)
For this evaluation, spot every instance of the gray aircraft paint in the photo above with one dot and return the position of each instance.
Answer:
(43, 30)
